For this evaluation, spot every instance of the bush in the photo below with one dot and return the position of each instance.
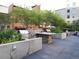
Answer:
(56, 30)
(8, 36)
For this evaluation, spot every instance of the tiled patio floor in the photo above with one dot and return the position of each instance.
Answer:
(60, 49)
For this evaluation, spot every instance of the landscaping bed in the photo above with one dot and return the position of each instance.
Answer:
(13, 47)
(59, 34)
(7, 36)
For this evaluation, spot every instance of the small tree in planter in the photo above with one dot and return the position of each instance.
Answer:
(7, 36)
(59, 33)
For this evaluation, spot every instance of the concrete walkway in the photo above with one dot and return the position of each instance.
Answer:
(60, 49)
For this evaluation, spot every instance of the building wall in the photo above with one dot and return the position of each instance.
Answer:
(10, 9)
(6, 9)
(3, 9)
(73, 13)
(36, 8)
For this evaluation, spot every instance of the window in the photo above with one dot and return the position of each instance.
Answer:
(68, 16)
(68, 11)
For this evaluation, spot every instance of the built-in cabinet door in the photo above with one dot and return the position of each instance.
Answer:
(22, 49)
(13, 51)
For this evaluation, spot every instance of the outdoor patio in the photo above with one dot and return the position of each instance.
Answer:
(60, 49)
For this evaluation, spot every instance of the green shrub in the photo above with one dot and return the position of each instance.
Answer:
(56, 30)
(8, 36)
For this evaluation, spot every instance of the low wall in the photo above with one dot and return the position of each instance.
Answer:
(77, 33)
(17, 50)
(71, 33)
(35, 45)
(60, 36)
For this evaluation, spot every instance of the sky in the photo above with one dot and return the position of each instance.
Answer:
(45, 4)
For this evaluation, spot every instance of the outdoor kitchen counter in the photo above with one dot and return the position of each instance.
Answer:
(46, 37)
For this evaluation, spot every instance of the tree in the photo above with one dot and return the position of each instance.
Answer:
(17, 15)
(3, 18)
(75, 25)
(26, 16)
(53, 19)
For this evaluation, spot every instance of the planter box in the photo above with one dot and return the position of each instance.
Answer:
(35, 45)
(17, 50)
(78, 34)
(71, 33)
(60, 36)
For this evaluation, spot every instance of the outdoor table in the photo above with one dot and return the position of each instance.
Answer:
(46, 37)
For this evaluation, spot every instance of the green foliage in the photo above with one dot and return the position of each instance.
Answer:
(75, 25)
(17, 15)
(30, 17)
(3, 18)
(56, 30)
(53, 18)
(26, 16)
(7, 36)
